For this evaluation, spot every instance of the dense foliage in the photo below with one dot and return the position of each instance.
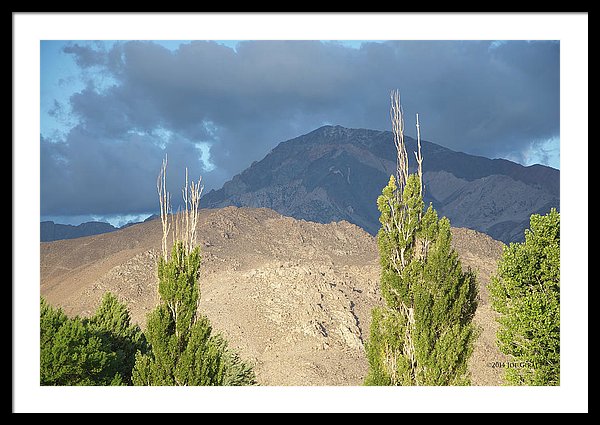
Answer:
(184, 350)
(99, 350)
(423, 335)
(526, 293)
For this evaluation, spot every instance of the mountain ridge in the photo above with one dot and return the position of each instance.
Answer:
(51, 231)
(336, 173)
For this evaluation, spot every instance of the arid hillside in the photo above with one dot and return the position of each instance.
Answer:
(294, 297)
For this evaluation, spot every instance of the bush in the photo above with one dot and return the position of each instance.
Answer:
(526, 293)
(95, 351)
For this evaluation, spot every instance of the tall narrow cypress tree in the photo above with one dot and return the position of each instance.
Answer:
(183, 348)
(423, 335)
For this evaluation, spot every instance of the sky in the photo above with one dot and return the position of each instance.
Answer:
(111, 110)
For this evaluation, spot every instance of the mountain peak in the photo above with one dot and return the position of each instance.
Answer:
(336, 173)
(338, 134)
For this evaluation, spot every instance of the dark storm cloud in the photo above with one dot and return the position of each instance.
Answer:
(491, 100)
(108, 177)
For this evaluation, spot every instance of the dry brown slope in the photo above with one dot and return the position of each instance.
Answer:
(293, 296)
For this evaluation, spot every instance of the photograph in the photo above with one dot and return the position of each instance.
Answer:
(291, 213)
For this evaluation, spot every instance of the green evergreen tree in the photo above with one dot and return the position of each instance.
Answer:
(112, 322)
(95, 351)
(526, 293)
(184, 351)
(183, 348)
(424, 334)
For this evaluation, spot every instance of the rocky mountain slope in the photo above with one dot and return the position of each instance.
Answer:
(294, 297)
(336, 173)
